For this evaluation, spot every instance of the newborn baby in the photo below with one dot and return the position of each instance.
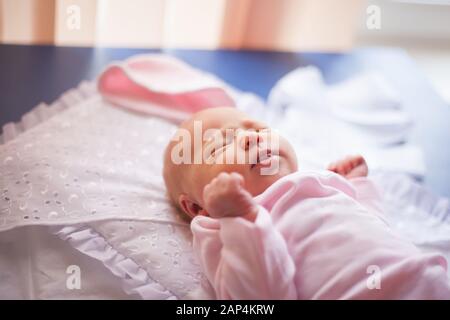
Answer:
(288, 234)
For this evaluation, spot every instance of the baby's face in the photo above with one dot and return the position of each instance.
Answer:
(244, 146)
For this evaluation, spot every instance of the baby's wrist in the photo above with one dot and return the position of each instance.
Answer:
(252, 214)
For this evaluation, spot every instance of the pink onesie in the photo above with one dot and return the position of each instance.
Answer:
(316, 236)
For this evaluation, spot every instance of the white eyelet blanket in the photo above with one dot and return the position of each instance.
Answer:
(80, 166)
(93, 171)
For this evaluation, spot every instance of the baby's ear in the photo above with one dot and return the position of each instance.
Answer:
(189, 207)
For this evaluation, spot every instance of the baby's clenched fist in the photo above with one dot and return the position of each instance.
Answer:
(225, 196)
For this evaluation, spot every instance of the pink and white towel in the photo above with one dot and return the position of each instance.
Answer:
(163, 86)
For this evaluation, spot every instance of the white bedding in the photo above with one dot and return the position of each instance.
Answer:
(34, 265)
(94, 162)
(96, 170)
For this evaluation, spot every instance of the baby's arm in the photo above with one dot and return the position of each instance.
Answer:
(241, 252)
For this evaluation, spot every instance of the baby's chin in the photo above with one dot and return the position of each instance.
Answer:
(258, 184)
(263, 181)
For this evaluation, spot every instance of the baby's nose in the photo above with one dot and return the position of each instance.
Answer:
(250, 138)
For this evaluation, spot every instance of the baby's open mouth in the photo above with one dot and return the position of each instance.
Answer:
(263, 159)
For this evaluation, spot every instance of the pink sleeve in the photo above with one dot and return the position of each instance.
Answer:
(243, 259)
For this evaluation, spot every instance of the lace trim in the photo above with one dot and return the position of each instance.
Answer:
(42, 112)
(135, 280)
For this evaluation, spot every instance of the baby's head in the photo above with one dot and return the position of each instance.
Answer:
(223, 140)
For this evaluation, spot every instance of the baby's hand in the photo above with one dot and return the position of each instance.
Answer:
(350, 167)
(225, 196)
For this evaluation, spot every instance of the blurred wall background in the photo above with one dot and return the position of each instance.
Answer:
(422, 27)
(258, 24)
